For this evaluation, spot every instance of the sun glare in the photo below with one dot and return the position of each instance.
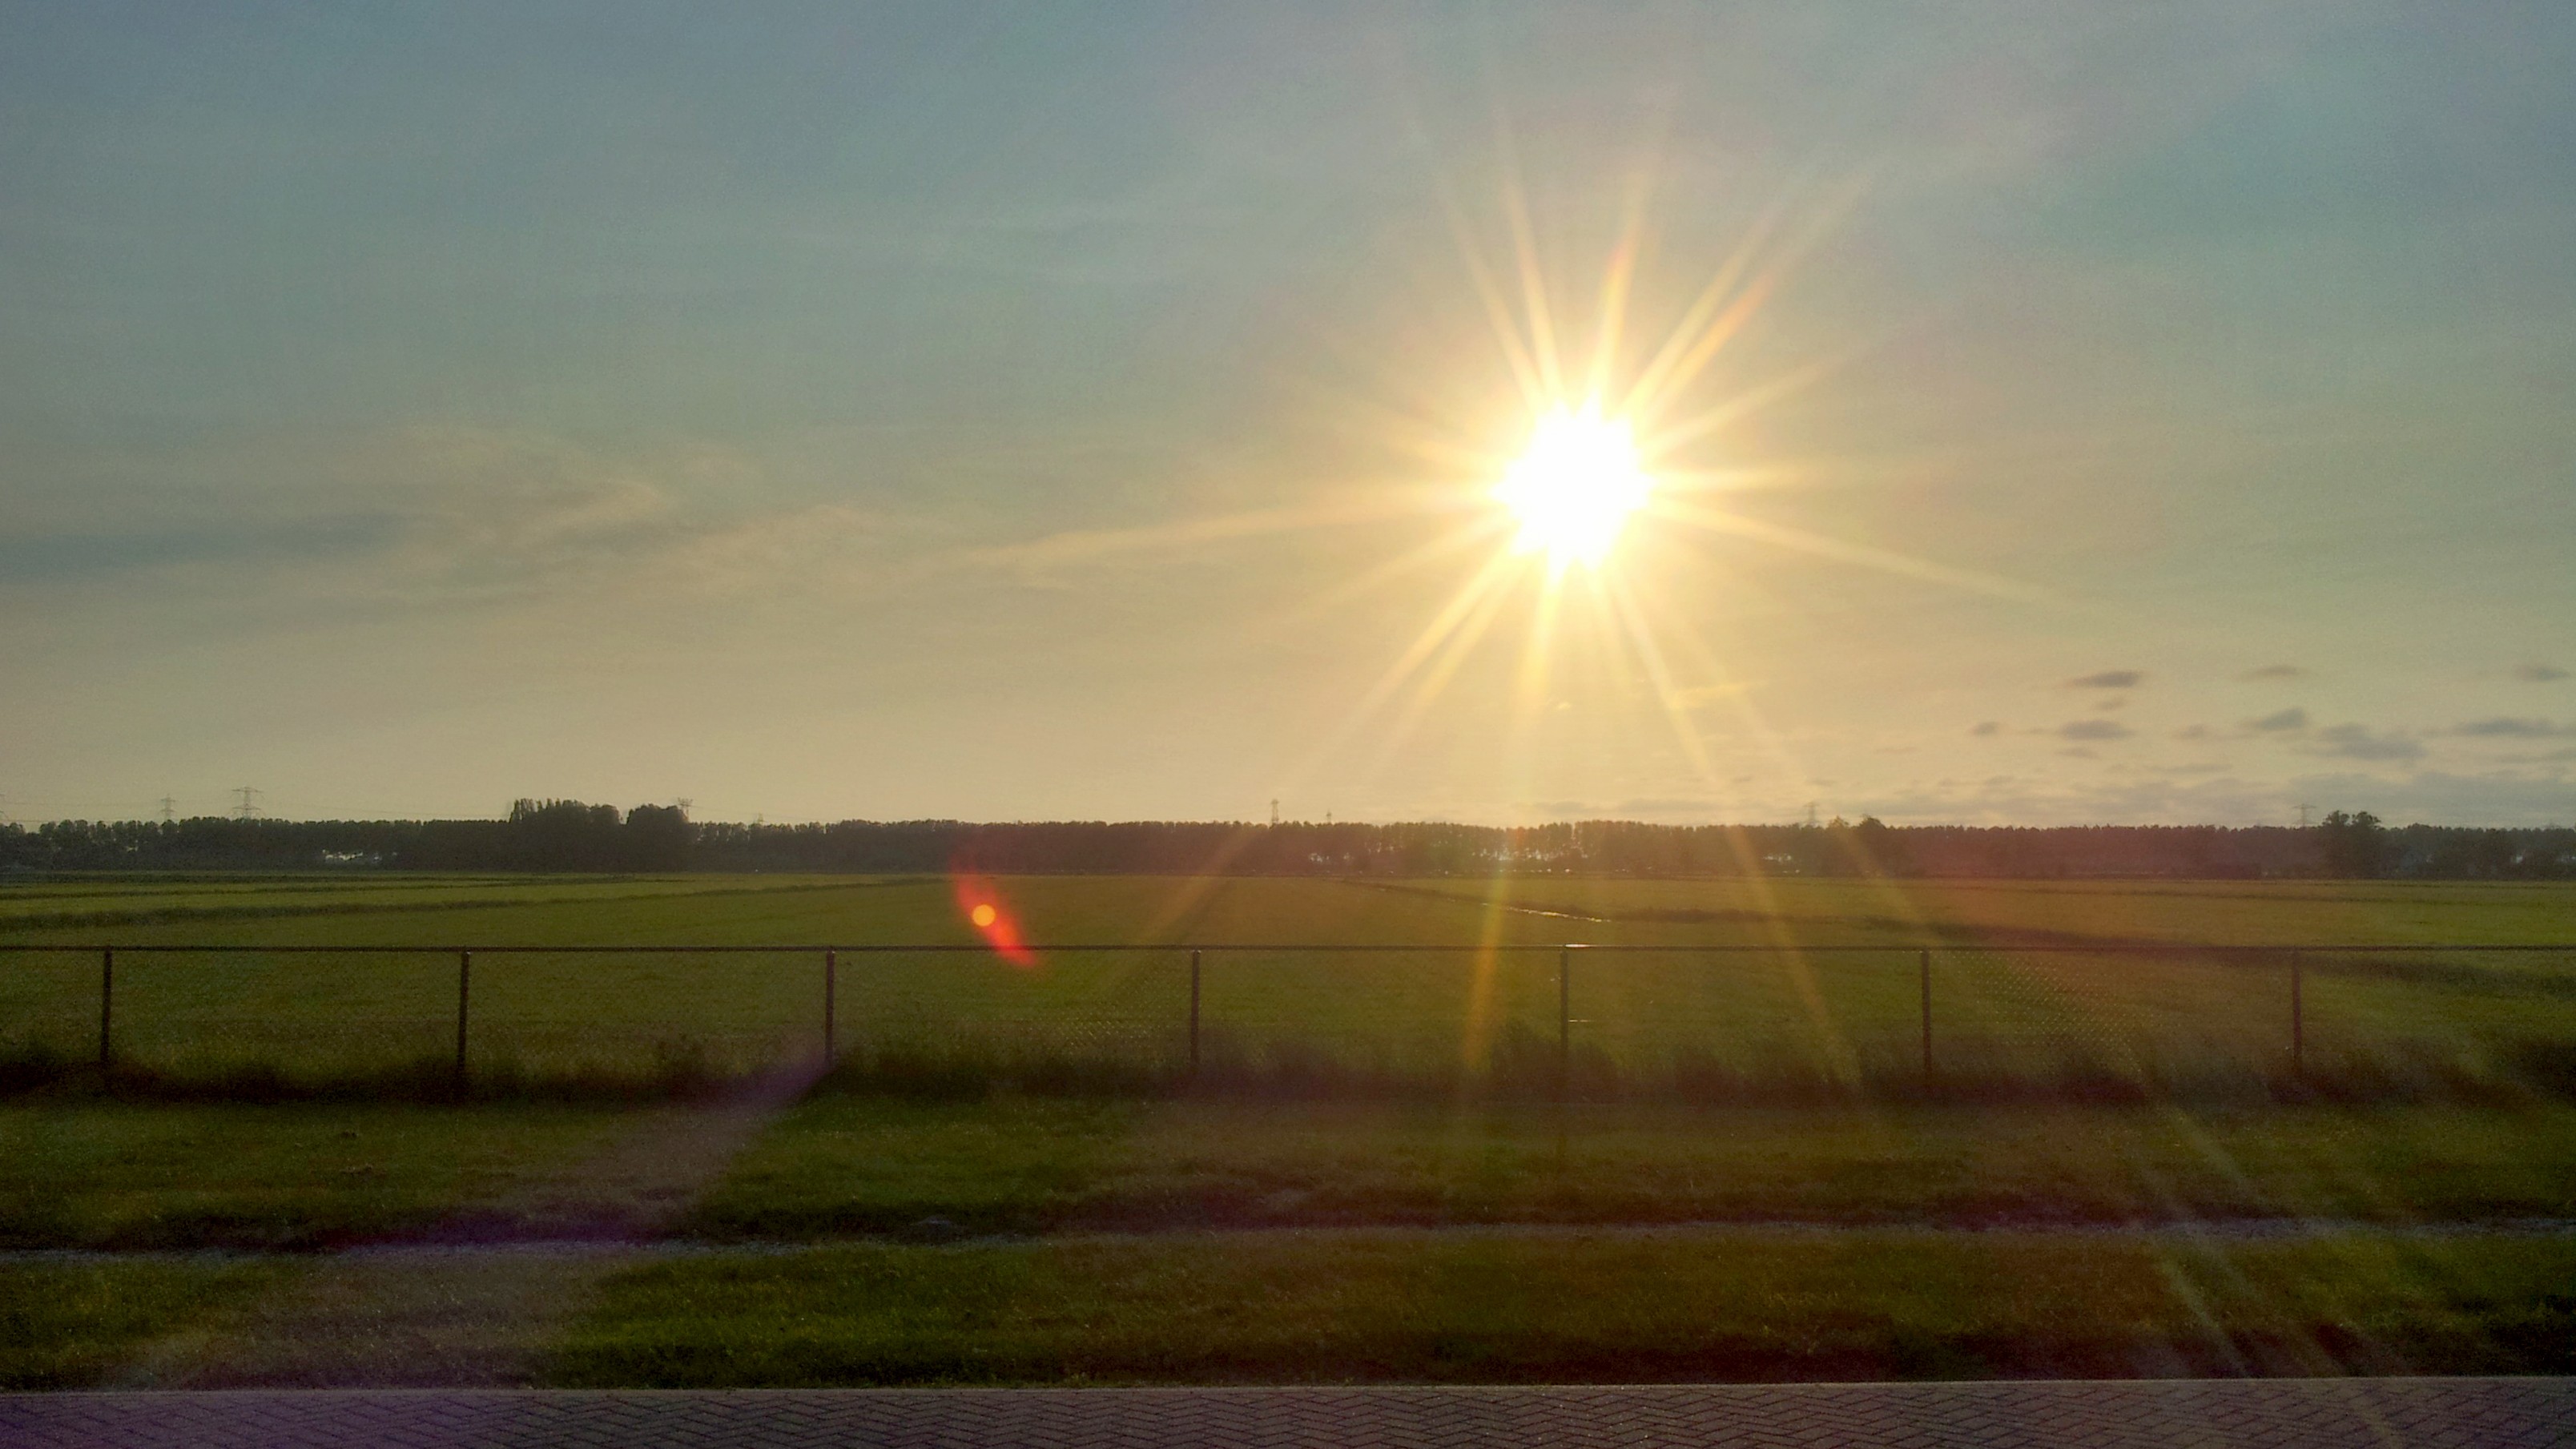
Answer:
(1574, 486)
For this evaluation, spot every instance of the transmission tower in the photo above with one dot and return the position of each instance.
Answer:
(248, 808)
(2303, 816)
(169, 809)
(1274, 814)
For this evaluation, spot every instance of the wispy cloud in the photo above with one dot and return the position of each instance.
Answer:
(2109, 679)
(2539, 673)
(2094, 729)
(2357, 742)
(430, 514)
(2293, 718)
(2273, 671)
(2502, 726)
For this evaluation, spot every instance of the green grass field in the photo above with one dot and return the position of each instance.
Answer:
(302, 1176)
(1579, 1307)
(1829, 1008)
(2111, 1172)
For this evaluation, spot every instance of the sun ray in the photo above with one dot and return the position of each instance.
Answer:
(1406, 433)
(1736, 698)
(1594, 467)
(1744, 478)
(1724, 307)
(1524, 365)
(1660, 677)
(1530, 682)
(1720, 330)
(1883, 560)
(1435, 678)
(1790, 952)
(1088, 544)
(1540, 317)
(1461, 605)
(1737, 407)
(1650, 380)
(1453, 541)
(1618, 277)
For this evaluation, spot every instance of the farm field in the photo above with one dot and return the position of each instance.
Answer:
(1010, 1177)
(1829, 1007)
(520, 909)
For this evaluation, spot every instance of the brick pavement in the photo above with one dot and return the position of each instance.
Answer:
(2166, 1414)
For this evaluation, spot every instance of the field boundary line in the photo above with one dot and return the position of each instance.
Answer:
(1678, 948)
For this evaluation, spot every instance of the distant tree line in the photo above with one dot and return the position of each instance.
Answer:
(569, 835)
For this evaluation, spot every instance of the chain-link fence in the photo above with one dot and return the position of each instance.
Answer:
(1711, 1023)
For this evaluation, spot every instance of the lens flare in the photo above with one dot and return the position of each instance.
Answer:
(980, 901)
(1575, 485)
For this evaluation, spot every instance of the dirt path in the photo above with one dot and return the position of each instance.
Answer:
(474, 1301)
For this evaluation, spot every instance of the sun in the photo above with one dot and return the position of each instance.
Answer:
(1574, 486)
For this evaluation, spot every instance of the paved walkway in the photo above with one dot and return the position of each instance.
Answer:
(2149, 1414)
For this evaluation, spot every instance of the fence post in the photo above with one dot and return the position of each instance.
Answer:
(2298, 1022)
(831, 974)
(1564, 1022)
(1194, 1016)
(464, 986)
(106, 1005)
(1926, 968)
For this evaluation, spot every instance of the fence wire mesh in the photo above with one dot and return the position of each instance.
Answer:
(1692, 1022)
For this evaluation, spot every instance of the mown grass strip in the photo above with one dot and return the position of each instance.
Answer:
(853, 1166)
(147, 914)
(65, 1325)
(278, 1177)
(1499, 1308)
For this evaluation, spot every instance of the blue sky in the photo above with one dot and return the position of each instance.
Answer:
(818, 411)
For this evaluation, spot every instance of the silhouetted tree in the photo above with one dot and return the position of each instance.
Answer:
(2353, 847)
(656, 837)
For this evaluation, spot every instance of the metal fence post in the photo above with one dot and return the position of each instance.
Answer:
(1926, 967)
(106, 1005)
(1564, 1022)
(2298, 1021)
(1194, 1016)
(464, 986)
(831, 973)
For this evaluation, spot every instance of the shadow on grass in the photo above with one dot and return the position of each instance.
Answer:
(1523, 1067)
(1526, 1067)
(675, 1071)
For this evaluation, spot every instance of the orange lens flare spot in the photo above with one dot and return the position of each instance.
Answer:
(982, 905)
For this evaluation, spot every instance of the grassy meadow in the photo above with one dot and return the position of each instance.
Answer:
(1010, 1178)
(1829, 1006)
(304, 1176)
(1362, 1305)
